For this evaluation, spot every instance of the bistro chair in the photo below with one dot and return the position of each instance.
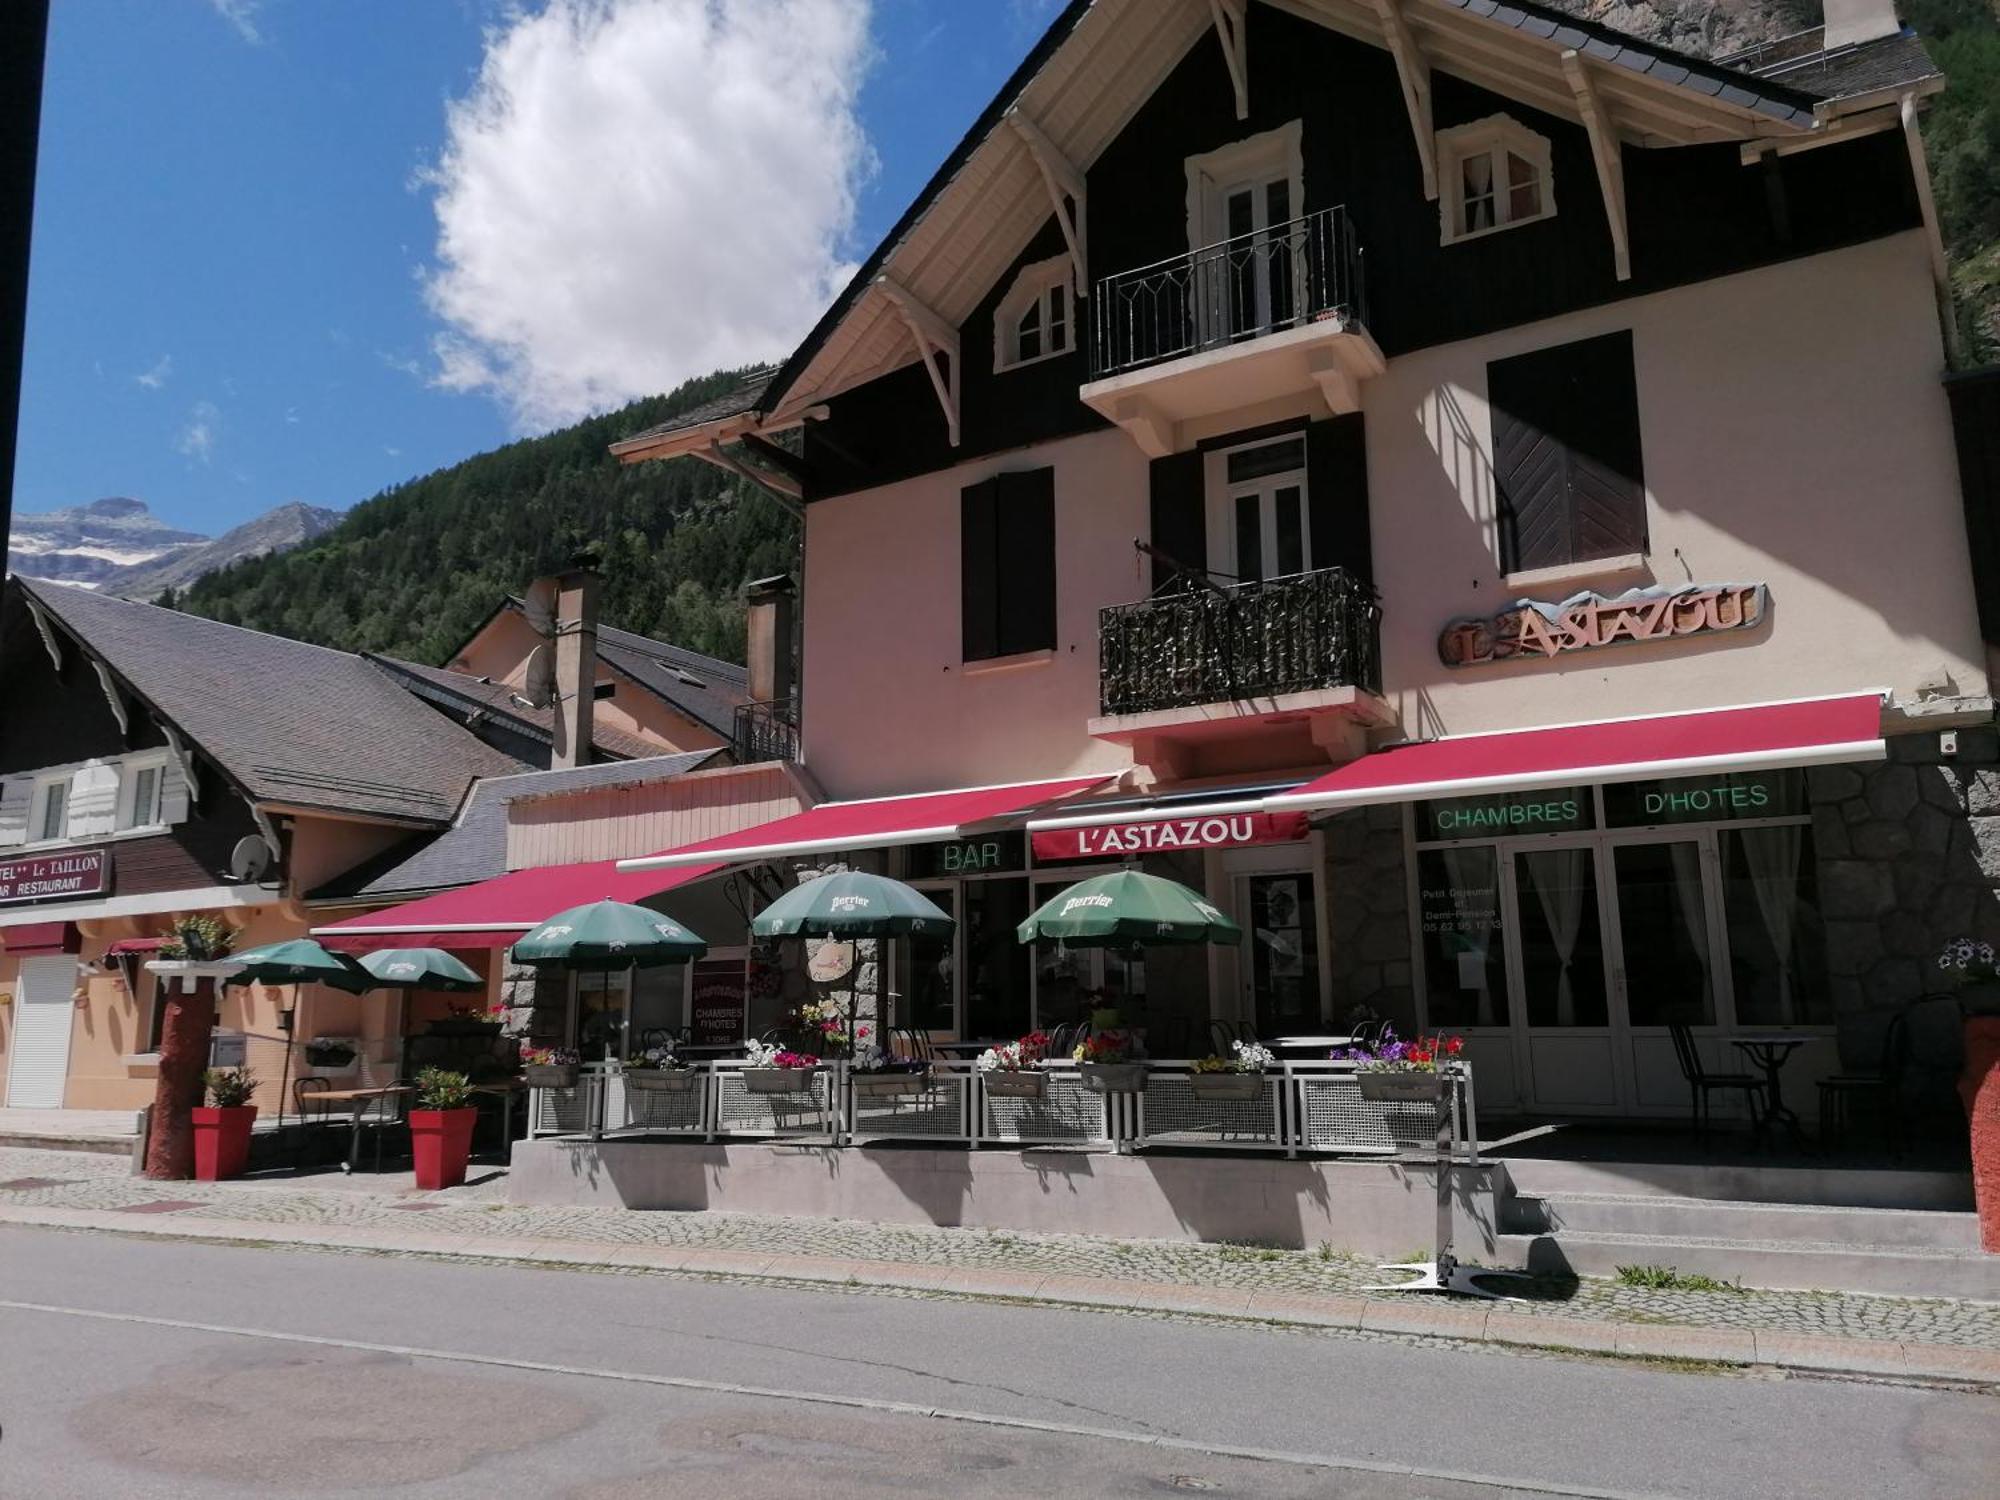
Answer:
(1224, 1035)
(1838, 1092)
(315, 1116)
(1701, 1083)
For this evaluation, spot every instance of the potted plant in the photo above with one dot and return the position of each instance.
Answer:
(874, 1074)
(196, 940)
(441, 1128)
(1106, 1061)
(775, 1070)
(1014, 1071)
(1239, 1076)
(660, 1070)
(1978, 976)
(222, 1127)
(334, 1054)
(549, 1067)
(1395, 1071)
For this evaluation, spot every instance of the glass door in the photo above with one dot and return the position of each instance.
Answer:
(1564, 981)
(1281, 943)
(1664, 939)
(926, 970)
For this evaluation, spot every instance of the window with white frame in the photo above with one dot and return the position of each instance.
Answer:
(1259, 524)
(1495, 175)
(140, 786)
(1037, 318)
(50, 819)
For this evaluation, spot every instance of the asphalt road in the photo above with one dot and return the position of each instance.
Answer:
(151, 1368)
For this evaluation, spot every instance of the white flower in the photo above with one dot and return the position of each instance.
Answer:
(1252, 1057)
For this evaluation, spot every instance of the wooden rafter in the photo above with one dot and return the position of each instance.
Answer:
(112, 696)
(43, 629)
(934, 337)
(780, 487)
(179, 750)
(1066, 194)
(1228, 18)
(1414, 72)
(1604, 150)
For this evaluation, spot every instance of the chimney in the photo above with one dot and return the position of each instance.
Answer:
(770, 625)
(576, 666)
(1851, 22)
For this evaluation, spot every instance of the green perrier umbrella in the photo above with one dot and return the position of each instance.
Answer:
(852, 904)
(608, 935)
(299, 961)
(1128, 909)
(419, 969)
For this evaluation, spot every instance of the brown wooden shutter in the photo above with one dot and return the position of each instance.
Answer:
(1567, 466)
(1026, 533)
(979, 586)
(1337, 495)
(1179, 517)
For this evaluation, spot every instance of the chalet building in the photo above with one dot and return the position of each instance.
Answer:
(1470, 489)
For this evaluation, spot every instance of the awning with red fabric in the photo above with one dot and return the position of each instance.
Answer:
(1809, 732)
(134, 945)
(877, 823)
(496, 912)
(36, 939)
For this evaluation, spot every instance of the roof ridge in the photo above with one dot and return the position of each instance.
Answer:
(268, 635)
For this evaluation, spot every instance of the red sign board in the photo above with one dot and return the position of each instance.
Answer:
(73, 872)
(1157, 835)
(720, 989)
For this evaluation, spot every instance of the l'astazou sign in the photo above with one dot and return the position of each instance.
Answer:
(1157, 835)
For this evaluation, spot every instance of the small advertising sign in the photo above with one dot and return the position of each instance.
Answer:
(72, 872)
(1160, 835)
(719, 987)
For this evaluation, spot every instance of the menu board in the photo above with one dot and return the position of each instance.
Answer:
(720, 987)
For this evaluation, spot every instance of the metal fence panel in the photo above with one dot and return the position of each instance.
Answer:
(1068, 1114)
(1171, 1113)
(939, 1110)
(810, 1112)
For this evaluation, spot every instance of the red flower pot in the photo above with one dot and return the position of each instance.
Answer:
(1979, 1088)
(222, 1141)
(441, 1140)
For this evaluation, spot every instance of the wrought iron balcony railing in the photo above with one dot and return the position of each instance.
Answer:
(1288, 275)
(765, 730)
(1299, 634)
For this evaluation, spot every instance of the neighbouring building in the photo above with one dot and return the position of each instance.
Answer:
(1470, 489)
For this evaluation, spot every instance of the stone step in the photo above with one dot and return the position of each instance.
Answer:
(1802, 1265)
(105, 1145)
(1746, 1181)
(1717, 1219)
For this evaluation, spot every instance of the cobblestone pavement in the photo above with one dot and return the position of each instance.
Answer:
(478, 1211)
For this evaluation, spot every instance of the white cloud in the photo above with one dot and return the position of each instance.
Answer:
(156, 377)
(197, 439)
(242, 15)
(636, 191)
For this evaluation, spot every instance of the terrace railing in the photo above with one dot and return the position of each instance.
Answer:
(1285, 276)
(1220, 645)
(765, 730)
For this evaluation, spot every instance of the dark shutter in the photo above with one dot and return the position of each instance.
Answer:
(1566, 454)
(1180, 527)
(979, 584)
(1337, 495)
(1026, 535)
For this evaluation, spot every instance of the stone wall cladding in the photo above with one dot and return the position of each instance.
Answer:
(1368, 912)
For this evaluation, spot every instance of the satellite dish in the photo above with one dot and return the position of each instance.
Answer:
(540, 686)
(539, 605)
(249, 860)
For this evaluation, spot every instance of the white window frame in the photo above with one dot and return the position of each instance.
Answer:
(128, 791)
(1031, 289)
(1273, 153)
(38, 811)
(1221, 496)
(1496, 136)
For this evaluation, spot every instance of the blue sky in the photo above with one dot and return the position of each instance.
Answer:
(239, 295)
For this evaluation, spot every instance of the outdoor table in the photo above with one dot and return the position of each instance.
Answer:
(963, 1049)
(1309, 1043)
(365, 1102)
(506, 1089)
(1771, 1050)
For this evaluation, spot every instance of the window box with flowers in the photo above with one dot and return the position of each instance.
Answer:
(549, 1067)
(1239, 1076)
(1014, 1070)
(1395, 1071)
(875, 1074)
(1106, 1061)
(775, 1070)
(661, 1070)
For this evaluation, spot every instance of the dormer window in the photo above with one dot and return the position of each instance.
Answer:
(1495, 174)
(1037, 318)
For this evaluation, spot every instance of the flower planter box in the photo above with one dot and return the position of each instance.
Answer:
(884, 1085)
(550, 1076)
(440, 1142)
(1016, 1083)
(663, 1080)
(463, 1026)
(1114, 1078)
(778, 1080)
(1227, 1085)
(1401, 1088)
(222, 1141)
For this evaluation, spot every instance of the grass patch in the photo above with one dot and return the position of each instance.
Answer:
(1671, 1279)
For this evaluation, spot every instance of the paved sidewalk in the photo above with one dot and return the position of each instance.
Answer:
(1802, 1330)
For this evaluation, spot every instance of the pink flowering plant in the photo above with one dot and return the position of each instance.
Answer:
(1016, 1056)
(769, 1055)
(548, 1057)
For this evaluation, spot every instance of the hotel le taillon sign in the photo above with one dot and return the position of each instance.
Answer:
(1584, 622)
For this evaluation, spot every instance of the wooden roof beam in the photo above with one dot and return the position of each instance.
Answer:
(1604, 151)
(1414, 73)
(1067, 194)
(1228, 17)
(934, 337)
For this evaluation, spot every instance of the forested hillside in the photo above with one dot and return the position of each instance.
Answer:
(413, 571)
(1962, 137)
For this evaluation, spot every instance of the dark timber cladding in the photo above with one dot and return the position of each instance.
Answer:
(1693, 213)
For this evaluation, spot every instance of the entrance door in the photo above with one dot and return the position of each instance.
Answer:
(1280, 955)
(1247, 278)
(43, 1011)
(1576, 1057)
(1259, 525)
(1665, 970)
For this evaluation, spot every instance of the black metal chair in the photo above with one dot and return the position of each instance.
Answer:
(1702, 1083)
(1882, 1087)
(1223, 1035)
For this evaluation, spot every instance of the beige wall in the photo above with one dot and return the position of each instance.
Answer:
(623, 821)
(1795, 433)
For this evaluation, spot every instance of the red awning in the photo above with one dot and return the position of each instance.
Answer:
(496, 912)
(1813, 732)
(879, 823)
(35, 938)
(134, 945)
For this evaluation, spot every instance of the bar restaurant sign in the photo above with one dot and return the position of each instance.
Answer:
(1159, 835)
(1586, 621)
(73, 872)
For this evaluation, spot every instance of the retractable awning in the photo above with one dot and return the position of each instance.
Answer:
(878, 823)
(496, 912)
(1759, 736)
(41, 939)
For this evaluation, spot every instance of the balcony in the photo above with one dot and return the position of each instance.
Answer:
(765, 731)
(1293, 664)
(1259, 321)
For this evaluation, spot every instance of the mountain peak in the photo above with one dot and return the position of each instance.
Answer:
(112, 506)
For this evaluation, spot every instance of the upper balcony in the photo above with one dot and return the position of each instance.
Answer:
(1294, 663)
(1262, 318)
(765, 730)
